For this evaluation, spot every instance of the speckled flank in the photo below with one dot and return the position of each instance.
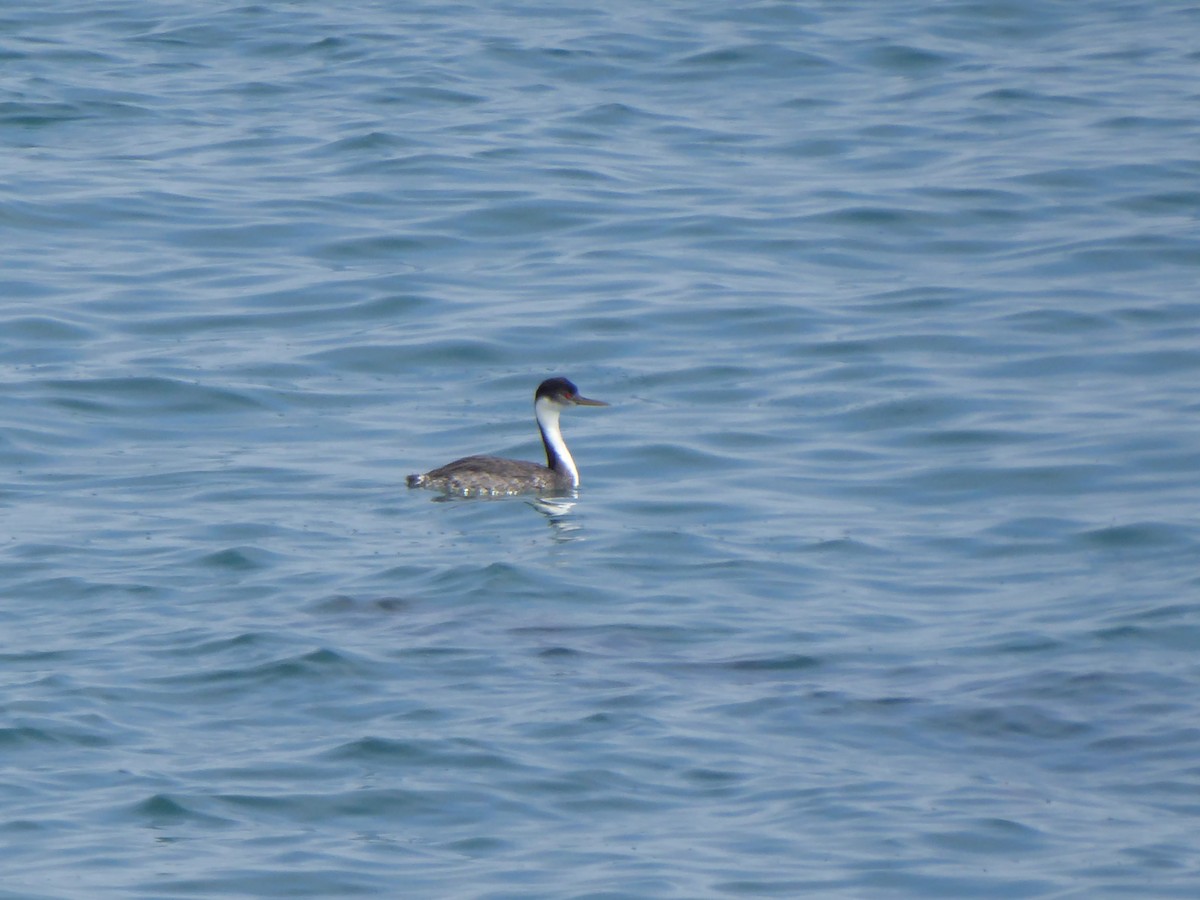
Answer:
(491, 476)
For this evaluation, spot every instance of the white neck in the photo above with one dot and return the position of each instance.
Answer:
(547, 412)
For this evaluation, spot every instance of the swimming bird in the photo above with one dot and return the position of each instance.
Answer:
(495, 476)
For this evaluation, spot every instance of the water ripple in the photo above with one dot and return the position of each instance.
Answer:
(879, 579)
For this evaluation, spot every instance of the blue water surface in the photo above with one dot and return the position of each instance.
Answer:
(883, 577)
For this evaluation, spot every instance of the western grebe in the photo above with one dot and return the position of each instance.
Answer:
(495, 476)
